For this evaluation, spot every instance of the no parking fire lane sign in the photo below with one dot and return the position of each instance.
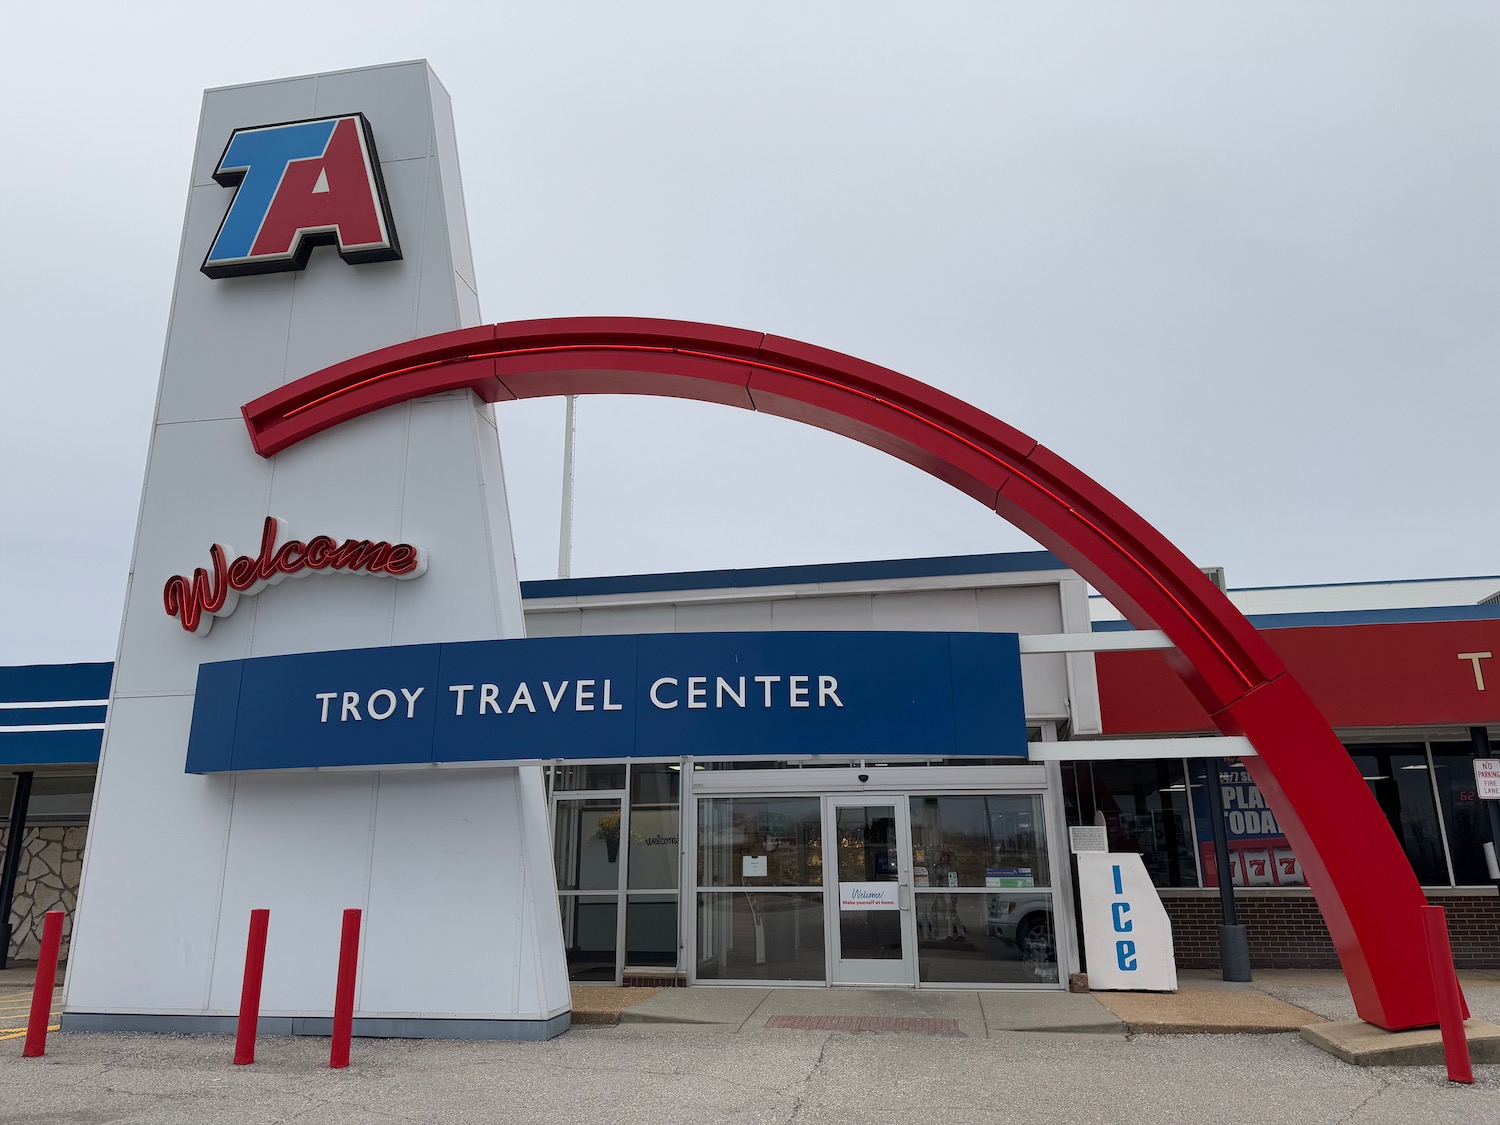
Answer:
(1487, 778)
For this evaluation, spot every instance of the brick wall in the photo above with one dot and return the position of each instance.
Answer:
(1286, 930)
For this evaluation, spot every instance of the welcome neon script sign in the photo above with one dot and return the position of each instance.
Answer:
(196, 601)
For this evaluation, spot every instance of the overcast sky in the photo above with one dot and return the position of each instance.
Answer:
(1241, 263)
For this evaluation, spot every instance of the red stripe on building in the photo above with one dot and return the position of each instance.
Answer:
(1411, 674)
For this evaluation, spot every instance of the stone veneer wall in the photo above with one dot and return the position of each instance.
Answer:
(1286, 930)
(51, 864)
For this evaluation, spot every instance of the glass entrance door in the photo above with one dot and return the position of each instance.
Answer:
(945, 878)
(870, 904)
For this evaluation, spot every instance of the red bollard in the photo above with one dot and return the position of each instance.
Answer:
(343, 999)
(1450, 1001)
(255, 967)
(46, 981)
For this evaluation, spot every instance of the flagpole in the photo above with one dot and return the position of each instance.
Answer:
(565, 529)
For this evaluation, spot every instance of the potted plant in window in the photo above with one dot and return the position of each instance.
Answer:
(608, 830)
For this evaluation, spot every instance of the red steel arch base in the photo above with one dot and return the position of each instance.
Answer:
(1364, 885)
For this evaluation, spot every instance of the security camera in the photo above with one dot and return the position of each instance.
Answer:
(864, 777)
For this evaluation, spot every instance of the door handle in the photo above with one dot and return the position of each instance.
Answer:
(903, 897)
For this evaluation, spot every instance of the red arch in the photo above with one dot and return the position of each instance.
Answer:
(1364, 885)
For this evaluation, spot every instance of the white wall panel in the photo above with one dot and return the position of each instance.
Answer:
(504, 579)
(230, 107)
(1044, 686)
(1031, 609)
(555, 623)
(150, 915)
(544, 965)
(299, 846)
(854, 612)
(726, 617)
(454, 210)
(446, 896)
(376, 301)
(936, 610)
(1083, 677)
(397, 101)
(437, 294)
(203, 482)
(603, 621)
(1020, 609)
(195, 386)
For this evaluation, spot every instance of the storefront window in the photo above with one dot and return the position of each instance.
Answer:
(963, 841)
(986, 938)
(1464, 813)
(586, 844)
(655, 817)
(603, 845)
(589, 925)
(1145, 810)
(761, 935)
(1398, 776)
(578, 779)
(651, 930)
(1260, 855)
(962, 847)
(757, 931)
(760, 842)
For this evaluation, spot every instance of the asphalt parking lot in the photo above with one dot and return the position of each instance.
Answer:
(633, 1073)
(748, 1065)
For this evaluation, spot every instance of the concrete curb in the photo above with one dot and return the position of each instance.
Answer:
(1113, 1027)
(631, 1016)
(1364, 1044)
(1167, 1027)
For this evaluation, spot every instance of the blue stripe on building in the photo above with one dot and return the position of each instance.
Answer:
(50, 748)
(45, 683)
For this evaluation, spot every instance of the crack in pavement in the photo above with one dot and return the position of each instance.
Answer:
(799, 1101)
(1381, 1090)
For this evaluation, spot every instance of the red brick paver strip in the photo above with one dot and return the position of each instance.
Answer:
(925, 1025)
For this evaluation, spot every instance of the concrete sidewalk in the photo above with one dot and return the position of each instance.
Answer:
(1276, 1001)
(976, 1015)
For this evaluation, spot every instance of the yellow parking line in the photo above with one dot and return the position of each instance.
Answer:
(18, 1034)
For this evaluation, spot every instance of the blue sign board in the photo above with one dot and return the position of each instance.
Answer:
(775, 695)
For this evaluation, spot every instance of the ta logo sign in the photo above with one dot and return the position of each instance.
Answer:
(301, 184)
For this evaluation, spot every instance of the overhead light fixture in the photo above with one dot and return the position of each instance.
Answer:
(1179, 788)
(1379, 777)
(1419, 766)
